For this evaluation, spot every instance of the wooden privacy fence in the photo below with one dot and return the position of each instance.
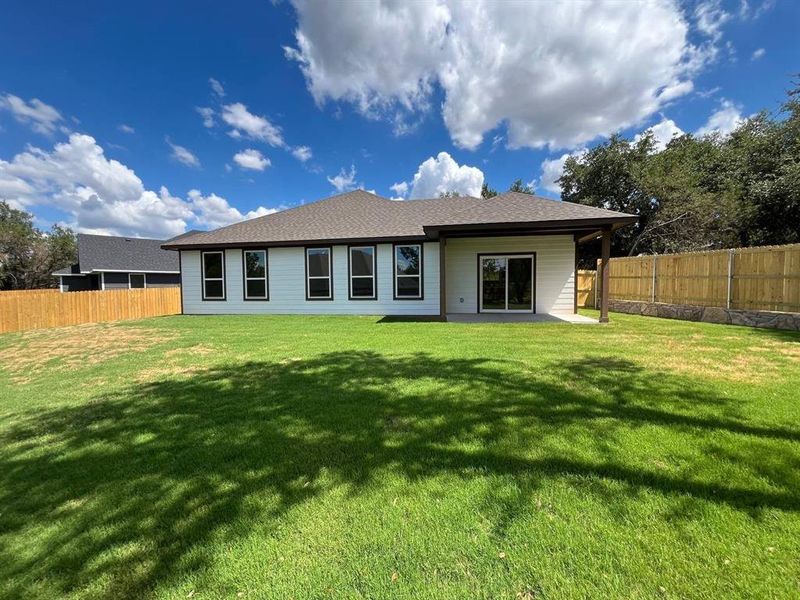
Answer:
(587, 288)
(764, 278)
(19, 312)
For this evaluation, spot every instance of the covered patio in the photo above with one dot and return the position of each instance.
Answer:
(507, 262)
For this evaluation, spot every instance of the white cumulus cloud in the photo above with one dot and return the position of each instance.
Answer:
(710, 18)
(557, 74)
(401, 189)
(302, 153)
(443, 174)
(102, 195)
(345, 180)
(214, 211)
(758, 53)
(207, 115)
(243, 123)
(663, 132)
(723, 120)
(183, 155)
(552, 169)
(216, 87)
(41, 117)
(251, 159)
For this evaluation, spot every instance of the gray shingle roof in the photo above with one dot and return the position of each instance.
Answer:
(362, 215)
(71, 270)
(181, 236)
(110, 253)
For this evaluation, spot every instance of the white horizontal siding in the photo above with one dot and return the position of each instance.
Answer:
(555, 270)
(286, 267)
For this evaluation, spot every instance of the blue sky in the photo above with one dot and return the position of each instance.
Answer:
(100, 126)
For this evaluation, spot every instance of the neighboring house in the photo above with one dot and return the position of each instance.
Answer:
(106, 262)
(358, 253)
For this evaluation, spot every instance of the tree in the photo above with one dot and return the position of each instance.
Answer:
(522, 188)
(487, 192)
(449, 194)
(763, 156)
(28, 256)
(698, 193)
(609, 176)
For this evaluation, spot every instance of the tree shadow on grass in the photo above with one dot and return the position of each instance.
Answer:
(130, 488)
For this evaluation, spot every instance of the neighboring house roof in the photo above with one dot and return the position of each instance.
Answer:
(181, 236)
(71, 270)
(360, 215)
(110, 253)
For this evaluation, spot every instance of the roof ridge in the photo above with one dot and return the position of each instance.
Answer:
(534, 196)
(440, 198)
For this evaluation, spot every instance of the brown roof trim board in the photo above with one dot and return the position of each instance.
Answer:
(359, 217)
(531, 226)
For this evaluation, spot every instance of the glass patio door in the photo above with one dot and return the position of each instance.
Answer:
(506, 283)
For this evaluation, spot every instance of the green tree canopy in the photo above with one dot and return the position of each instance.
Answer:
(522, 188)
(487, 192)
(698, 193)
(28, 256)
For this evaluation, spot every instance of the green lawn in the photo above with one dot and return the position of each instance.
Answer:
(346, 457)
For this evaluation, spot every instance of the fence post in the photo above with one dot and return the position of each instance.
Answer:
(730, 278)
(653, 295)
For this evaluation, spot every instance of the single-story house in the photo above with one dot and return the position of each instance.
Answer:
(107, 262)
(359, 253)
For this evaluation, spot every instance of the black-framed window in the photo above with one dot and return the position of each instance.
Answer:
(255, 274)
(408, 271)
(362, 272)
(318, 274)
(213, 271)
(136, 281)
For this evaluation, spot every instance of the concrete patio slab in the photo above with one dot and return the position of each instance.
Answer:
(521, 318)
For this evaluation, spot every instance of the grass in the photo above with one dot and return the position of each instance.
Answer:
(320, 457)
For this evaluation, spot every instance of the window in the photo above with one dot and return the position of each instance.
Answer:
(362, 272)
(256, 286)
(318, 274)
(213, 275)
(135, 280)
(408, 271)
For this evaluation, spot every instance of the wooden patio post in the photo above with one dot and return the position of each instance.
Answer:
(604, 258)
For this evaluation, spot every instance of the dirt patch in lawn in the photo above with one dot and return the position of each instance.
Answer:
(753, 364)
(198, 350)
(174, 365)
(164, 372)
(790, 350)
(67, 348)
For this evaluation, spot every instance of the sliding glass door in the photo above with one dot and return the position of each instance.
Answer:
(506, 283)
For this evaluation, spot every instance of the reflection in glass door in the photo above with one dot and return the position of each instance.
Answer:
(493, 295)
(506, 283)
(520, 283)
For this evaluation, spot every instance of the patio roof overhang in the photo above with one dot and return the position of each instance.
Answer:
(582, 229)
